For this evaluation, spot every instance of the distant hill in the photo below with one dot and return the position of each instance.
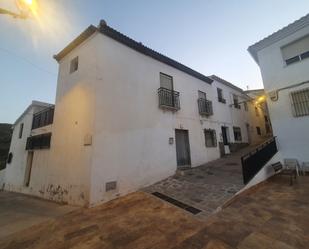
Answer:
(5, 140)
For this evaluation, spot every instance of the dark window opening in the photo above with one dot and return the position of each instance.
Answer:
(38, 142)
(236, 102)
(258, 130)
(21, 128)
(220, 96)
(246, 106)
(210, 138)
(292, 60)
(237, 133)
(43, 118)
(74, 65)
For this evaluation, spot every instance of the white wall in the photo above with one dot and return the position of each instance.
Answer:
(15, 171)
(292, 133)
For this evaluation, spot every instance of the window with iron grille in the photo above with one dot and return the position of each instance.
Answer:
(237, 133)
(43, 118)
(204, 105)
(300, 102)
(210, 138)
(38, 142)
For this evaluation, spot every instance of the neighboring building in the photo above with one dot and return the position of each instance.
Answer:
(283, 60)
(29, 150)
(127, 116)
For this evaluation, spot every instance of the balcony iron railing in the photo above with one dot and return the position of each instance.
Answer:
(38, 142)
(168, 99)
(43, 118)
(254, 161)
(222, 100)
(205, 107)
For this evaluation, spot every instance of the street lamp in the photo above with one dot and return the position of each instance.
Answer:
(25, 7)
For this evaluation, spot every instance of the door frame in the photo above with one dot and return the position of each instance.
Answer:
(187, 147)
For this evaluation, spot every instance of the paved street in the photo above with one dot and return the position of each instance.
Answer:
(206, 187)
(275, 215)
(18, 212)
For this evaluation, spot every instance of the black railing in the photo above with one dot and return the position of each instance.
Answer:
(43, 118)
(205, 107)
(222, 100)
(254, 161)
(168, 99)
(38, 142)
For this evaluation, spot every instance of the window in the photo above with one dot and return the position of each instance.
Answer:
(296, 51)
(246, 106)
(220, 96)
(235, 101)
(210, 138)
(166, 81)
(237, 133)
(168, 98)
(257, 111)
(38, 142)
(43, 118)
(258, 130)
(300, 102)
(74, 65)
(201, 95)
(21, 128)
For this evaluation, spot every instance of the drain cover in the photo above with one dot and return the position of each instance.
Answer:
(180, 204)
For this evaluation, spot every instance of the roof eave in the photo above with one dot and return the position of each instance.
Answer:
(77, 41)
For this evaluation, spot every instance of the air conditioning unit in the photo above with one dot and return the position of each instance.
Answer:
(273, 95)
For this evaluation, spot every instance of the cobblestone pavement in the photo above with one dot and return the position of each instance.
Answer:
(206, 187)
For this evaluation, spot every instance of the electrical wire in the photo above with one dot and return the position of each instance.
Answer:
(28, 61)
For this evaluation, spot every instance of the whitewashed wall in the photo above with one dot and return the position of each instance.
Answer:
(292, 133)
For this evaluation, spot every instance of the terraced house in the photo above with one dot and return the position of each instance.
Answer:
(125, 117)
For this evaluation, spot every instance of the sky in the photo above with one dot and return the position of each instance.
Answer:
(210, 36)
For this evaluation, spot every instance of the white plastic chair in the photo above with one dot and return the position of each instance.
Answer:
(305, 168)
(291, 163)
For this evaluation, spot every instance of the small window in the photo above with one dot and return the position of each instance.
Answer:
(166, 81)
(237, 133)
(246, 106)
(21, 128)
(236, 102)
(296, 51)
(257, 111)
(210, 138)
(74, 65)
(300, 102)
(220, 95)
(258, 130)
(201, 95)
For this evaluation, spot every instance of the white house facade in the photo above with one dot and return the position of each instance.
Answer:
(126, 117)
(283, 61)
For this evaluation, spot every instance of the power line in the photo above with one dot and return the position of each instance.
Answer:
(28, 61)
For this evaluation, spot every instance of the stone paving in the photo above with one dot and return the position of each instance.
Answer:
(206, 187)
(273, 216)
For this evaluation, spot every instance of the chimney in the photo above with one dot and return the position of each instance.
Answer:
(102, 23)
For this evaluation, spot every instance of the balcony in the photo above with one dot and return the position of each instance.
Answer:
(43, 118)
(38, 142)
(205, 107)
(168, 99)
